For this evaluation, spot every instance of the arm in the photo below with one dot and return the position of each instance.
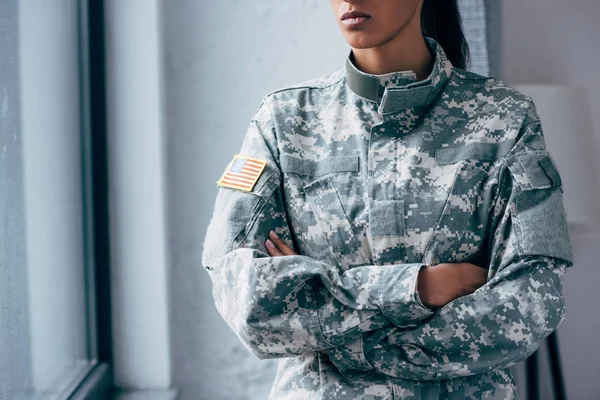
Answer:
(288, 305)
(496, 327)
(504, 321)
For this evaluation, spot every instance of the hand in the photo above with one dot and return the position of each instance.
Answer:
(277, 247)
(438, 285)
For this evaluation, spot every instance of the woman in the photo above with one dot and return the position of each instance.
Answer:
(394, 229)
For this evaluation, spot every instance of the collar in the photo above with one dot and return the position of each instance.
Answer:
(400, 90)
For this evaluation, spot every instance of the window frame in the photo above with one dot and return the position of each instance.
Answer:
(97, 382)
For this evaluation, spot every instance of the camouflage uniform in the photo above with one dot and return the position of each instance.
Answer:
(370, 178)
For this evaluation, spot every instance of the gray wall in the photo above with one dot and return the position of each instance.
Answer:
(15, 368)
(494, 35)
(556, 41)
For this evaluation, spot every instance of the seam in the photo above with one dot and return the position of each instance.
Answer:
(465, 75)
(394, 386)
(308, 86)
(467, 165)
(362, 352)
(514, 215)
(413, 288)
(379, 292)
(435, 365)
(502, 183)
(360, 250)
(436, 228)
(397, 153)
(535, 121)
(256, 212)
(257, 189)
(416, 297)
(523, 128)
(517, 226)
(446, 205)
(318, 319)
(321, 384)
(274, 130)
(525, 154)
(339, 200)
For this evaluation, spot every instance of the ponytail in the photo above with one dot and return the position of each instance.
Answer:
(440, 20)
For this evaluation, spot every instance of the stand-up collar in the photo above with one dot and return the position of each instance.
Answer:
(398, 91)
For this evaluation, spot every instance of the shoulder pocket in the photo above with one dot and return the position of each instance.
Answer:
(535, 171)
(539, 216)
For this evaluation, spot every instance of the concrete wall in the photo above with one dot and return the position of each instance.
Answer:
(15, 355)
(556, 41)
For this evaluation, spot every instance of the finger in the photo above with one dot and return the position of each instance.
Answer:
(272, 249)
(281, 245)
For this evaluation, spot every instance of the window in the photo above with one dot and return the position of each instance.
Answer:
(49, 244)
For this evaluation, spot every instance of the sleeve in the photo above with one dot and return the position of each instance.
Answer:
(504, 321)
(288, 305)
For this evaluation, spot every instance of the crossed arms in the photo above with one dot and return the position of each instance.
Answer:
(369, 317)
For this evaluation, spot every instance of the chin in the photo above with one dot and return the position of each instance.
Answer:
(361, 41)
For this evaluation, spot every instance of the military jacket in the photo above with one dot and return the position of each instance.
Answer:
(370, 178)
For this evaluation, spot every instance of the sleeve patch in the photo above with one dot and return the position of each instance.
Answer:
(539, 216)
(242, 173)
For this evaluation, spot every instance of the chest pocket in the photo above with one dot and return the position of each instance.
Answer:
(324, 197)
(458, 234)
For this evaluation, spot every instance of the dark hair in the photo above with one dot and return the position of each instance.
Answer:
(440, 20)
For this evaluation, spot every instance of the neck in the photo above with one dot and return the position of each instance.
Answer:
(403, 53)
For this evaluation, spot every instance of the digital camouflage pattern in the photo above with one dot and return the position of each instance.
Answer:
(370, 178)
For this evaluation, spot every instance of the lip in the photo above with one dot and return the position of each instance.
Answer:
(354, 14)
(354, 19)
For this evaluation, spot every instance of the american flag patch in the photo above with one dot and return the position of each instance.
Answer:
(242, 173)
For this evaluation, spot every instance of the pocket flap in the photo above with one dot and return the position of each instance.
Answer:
(476, 151)
(534, 171)
(295, 165)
